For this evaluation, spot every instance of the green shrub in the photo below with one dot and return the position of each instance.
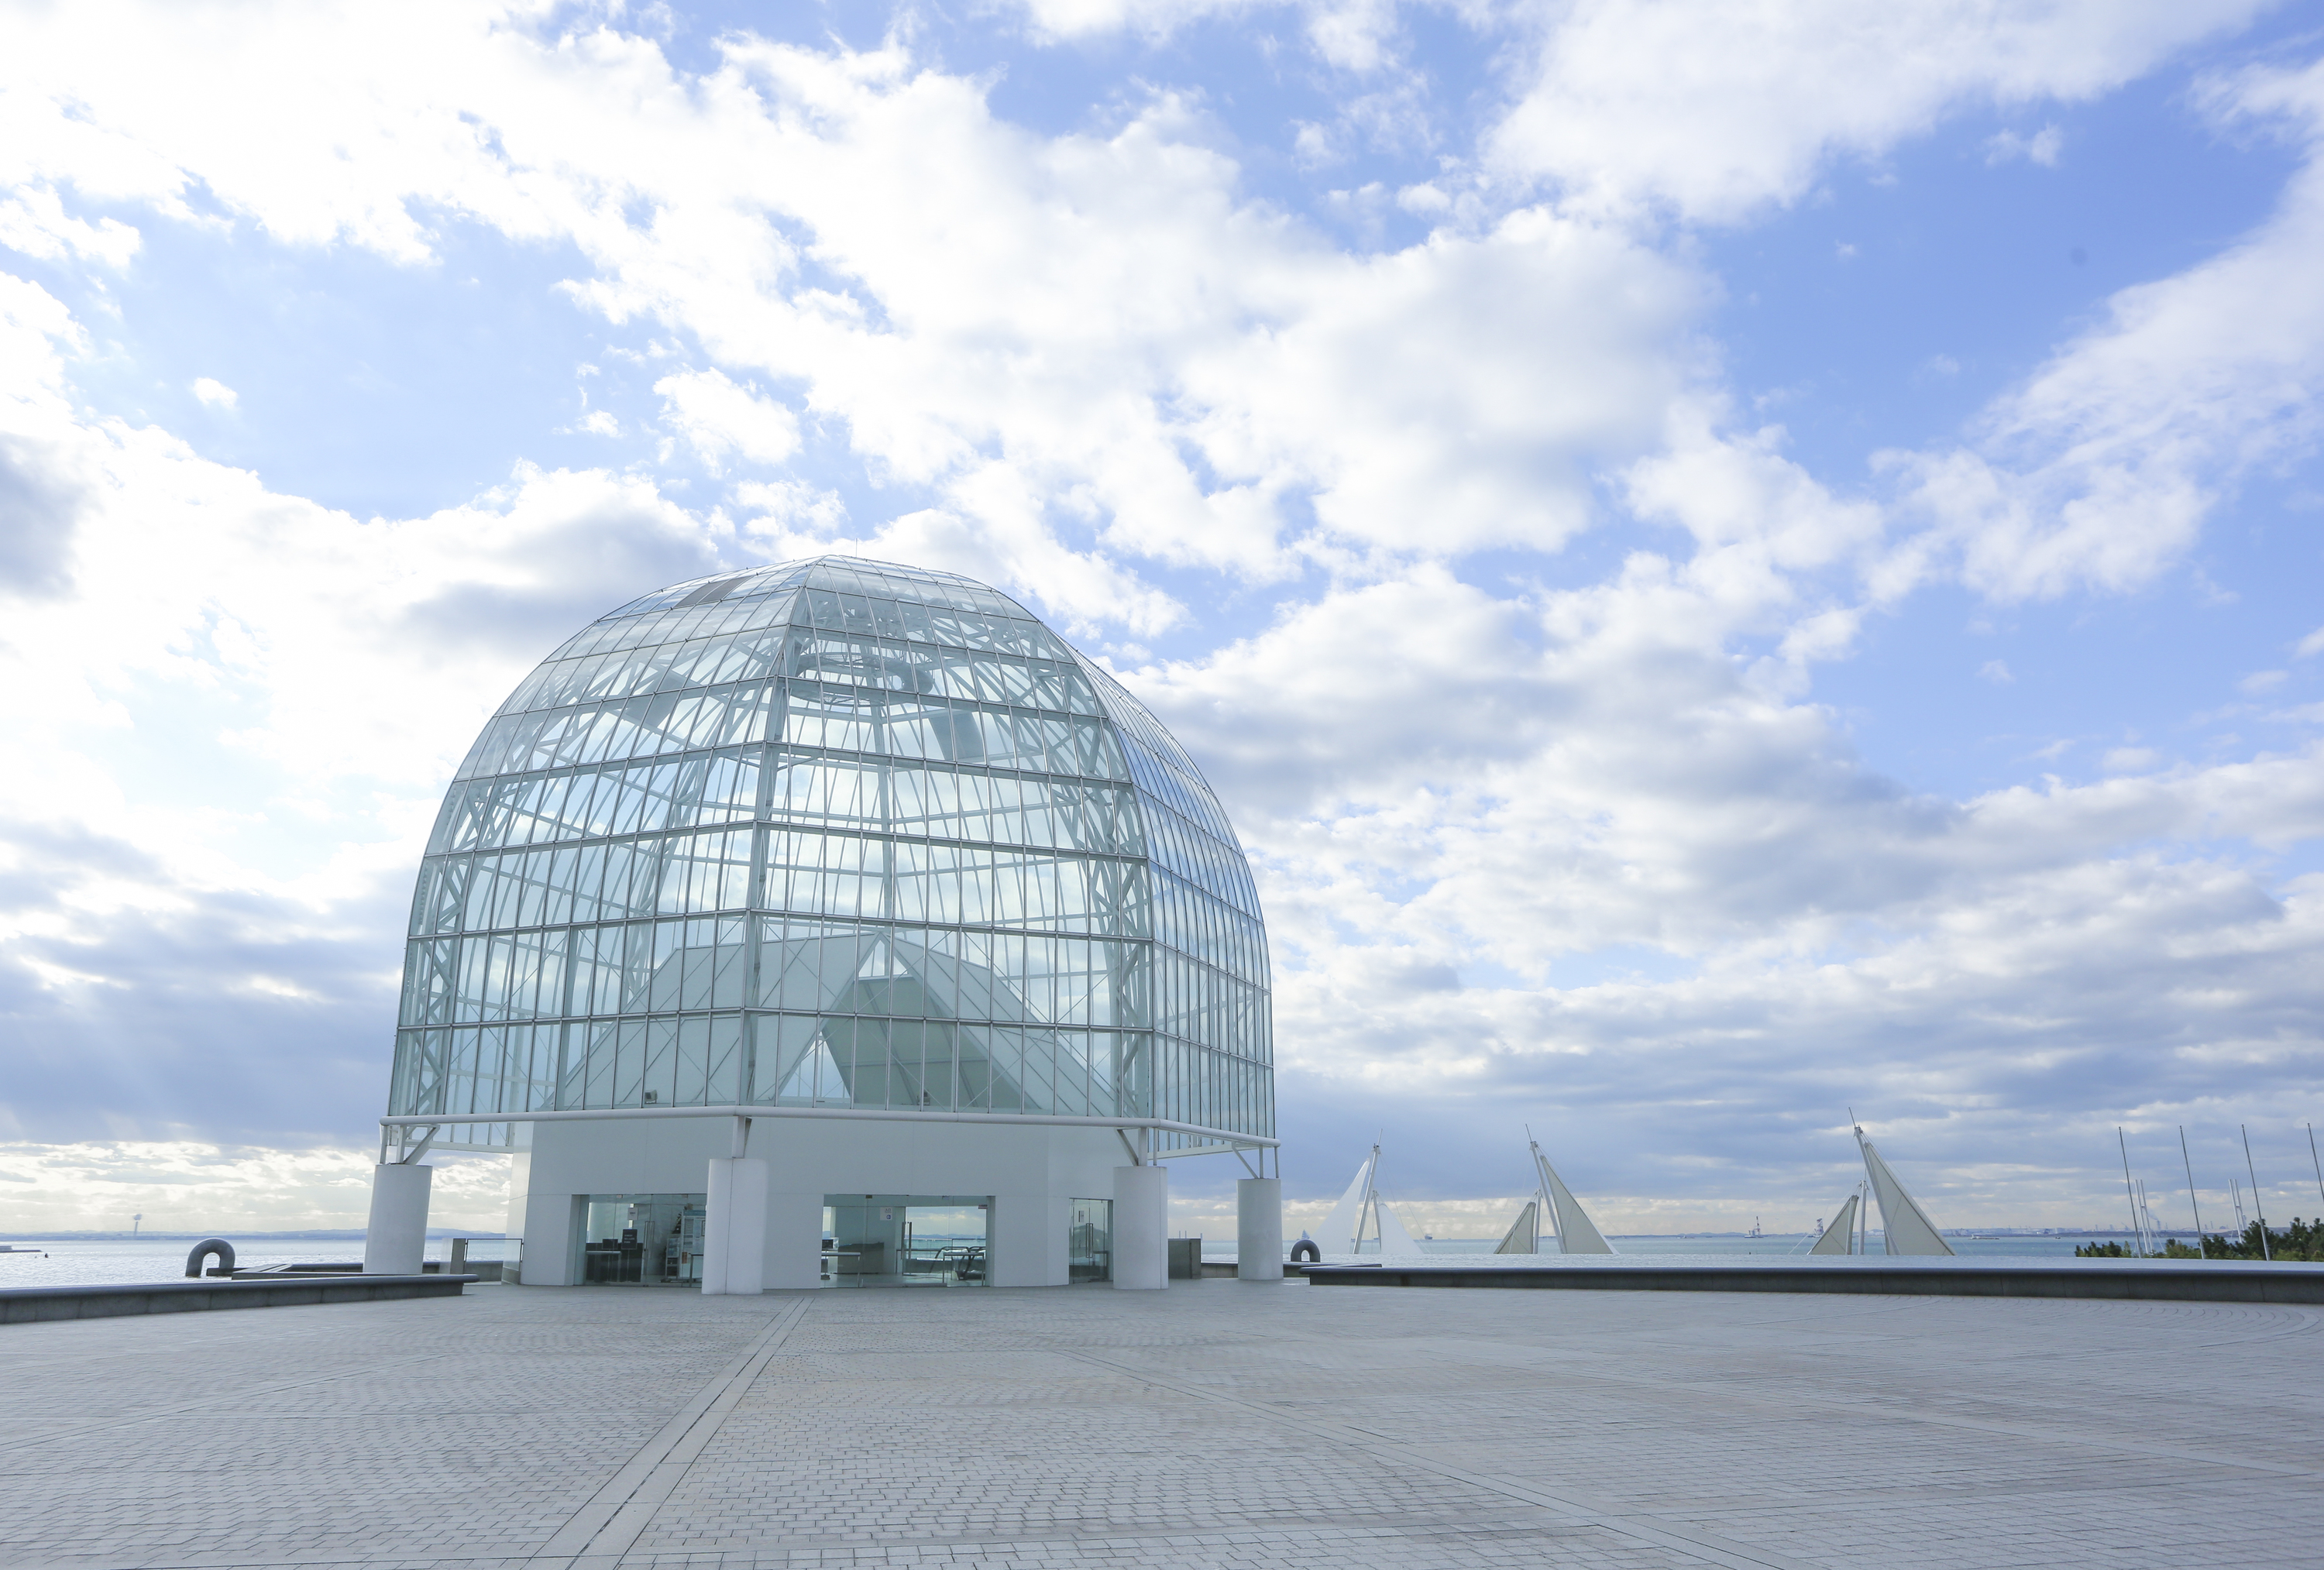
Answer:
(2302, 1241)
(2172, 1249)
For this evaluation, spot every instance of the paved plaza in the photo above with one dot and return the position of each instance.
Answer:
(1218, 1423)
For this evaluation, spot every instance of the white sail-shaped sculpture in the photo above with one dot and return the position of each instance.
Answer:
(1349, 1216)
(1394, 1238)
(1361, 1213)
(1576, 1234)
(1524, 1236)
(1908, 1228)
(1839, 1237)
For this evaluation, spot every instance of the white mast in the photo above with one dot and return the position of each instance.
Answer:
(1386, 1226)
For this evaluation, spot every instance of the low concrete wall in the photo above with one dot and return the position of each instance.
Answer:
(30, 1305)
(482, 1270)
(2220, 1282)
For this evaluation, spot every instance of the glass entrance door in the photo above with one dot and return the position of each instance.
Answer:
(1089, 1241)
(906, 1240)
(642, 1240)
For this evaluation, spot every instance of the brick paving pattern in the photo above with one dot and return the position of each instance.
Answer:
(1215, 1423)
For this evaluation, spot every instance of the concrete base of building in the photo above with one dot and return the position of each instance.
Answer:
(1026, 1178)
(1258, 1229)
(396, 1236)
(2220, 1281)
(1141, 1228)
(32, 1305)
(734, 1239)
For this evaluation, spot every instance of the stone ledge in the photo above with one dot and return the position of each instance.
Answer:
(34, 1305)
(2219, 1282)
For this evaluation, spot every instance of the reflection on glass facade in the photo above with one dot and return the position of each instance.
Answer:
(833, 834)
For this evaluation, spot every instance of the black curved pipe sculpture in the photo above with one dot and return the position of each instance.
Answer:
(207, 1247)
(1305, 1252)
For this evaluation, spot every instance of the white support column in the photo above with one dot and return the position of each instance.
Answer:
(397, 1237)
(1258, 1229)
(1141, 1228)
(735, 1228)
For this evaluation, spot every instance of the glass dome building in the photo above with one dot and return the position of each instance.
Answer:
(860, 850)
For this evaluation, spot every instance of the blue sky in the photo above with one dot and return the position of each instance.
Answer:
(1728, 562)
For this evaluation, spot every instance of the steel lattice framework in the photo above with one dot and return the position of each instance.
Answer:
(832, 835)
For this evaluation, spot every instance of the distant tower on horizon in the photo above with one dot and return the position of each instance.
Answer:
(135, 1221)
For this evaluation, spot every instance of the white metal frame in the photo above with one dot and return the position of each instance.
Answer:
(396, 1133)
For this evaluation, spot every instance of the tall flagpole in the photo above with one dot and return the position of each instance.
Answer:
(2257, 1208)
(2191, 1200)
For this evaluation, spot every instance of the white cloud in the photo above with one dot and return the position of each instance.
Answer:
(1156, 19)
(1356, 35)
(2042, 147)
(801, 519)
(32, 220)
(2101, 468)
(216, 394)
(2311, 645)
(1586, 780)
(1997, 671)
(193, 1185)
(722, 421)
(1052, 336)
(245, 706)
(1713, 112)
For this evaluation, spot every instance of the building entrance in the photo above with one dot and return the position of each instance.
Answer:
(906, 1240)
(641, 1240)
(1089, 1241)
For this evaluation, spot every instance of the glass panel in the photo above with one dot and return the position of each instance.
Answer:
(906, 1240)
(642, 1240)
(1089, 1241)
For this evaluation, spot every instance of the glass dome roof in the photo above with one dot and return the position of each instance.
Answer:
(836, 834)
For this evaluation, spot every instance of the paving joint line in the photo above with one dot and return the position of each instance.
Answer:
(597, 1534)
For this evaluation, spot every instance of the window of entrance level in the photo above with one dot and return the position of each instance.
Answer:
(1089, 1241)
(641, 1240)
(906, 1240)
